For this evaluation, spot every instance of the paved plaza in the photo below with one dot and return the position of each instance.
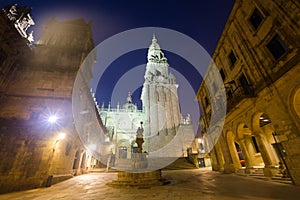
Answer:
(185, 184)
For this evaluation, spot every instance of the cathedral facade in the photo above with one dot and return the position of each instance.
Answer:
(160, 116)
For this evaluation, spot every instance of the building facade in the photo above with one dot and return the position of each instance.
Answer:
(39, 143)
(160, 117)
(258, 59)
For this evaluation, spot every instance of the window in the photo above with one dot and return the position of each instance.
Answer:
(245, 85)
(229, 94)
(277, 47)
(206, 101)
(256, 18)
(68, 149)
(232, 58)
(222, 73)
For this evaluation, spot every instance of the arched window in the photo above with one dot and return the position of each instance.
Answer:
(76, 160)
(83, 160)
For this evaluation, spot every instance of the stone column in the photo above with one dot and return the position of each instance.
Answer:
(228, 165)
(251, 153)
(248, 158)
(218, 165)
(265, 151)
(233, 154)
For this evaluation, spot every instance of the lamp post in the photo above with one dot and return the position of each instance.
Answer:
(282, 156)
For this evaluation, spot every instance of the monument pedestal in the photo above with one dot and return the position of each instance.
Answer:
(138, 176)
(139, 179)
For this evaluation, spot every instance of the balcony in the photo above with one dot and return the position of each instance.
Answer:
(238, 95)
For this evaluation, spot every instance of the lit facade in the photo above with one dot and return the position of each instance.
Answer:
(258, 60)
(39, 143)
(161, 116)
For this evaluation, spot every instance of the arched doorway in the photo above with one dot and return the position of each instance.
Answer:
(82, 165)
(240, 154)
(76, 159)
(264, 139)
(123, 152)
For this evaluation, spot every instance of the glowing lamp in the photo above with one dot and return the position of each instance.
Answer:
(52, 119)
(61, 136)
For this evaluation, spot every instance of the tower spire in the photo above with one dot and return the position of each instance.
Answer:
(129, 99)
(154, 40)
(155, 53)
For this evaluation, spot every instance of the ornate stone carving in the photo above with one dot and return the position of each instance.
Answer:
(20, 16)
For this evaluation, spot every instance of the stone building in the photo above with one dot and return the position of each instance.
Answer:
(258, 59)
(39, 143)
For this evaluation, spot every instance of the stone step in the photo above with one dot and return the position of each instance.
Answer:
(282, 181)
(101, 170)
(169, 163)
(256, 174)
(180, 163)
(260, 177)
(279, 178)
(97, 170)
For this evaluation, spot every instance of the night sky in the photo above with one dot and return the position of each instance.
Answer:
(202, 20)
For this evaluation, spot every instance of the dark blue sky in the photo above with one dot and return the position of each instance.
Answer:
(202, 20)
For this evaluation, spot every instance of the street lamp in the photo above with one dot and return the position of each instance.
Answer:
(52, 119)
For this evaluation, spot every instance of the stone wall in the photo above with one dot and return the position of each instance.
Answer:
(32, 152)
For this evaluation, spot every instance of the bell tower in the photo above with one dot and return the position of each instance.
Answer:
(159, 95)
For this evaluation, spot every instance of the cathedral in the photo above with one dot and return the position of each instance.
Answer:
(166, 132)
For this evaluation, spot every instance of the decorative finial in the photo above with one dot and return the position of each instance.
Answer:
(129, 99)
(154, 40)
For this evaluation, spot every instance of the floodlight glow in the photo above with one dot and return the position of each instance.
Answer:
(61, 136)
(92, 147)
(52, 119)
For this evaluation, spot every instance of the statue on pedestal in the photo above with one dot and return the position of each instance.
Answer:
(139, 159)
(139, 138)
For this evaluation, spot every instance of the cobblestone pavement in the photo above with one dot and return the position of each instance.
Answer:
(185, 184)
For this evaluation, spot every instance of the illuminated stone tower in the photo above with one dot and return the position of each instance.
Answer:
(160, 100)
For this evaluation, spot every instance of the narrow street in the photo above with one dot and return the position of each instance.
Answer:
(185, 184)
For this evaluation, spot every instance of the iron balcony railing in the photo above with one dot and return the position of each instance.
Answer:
(238, 95)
